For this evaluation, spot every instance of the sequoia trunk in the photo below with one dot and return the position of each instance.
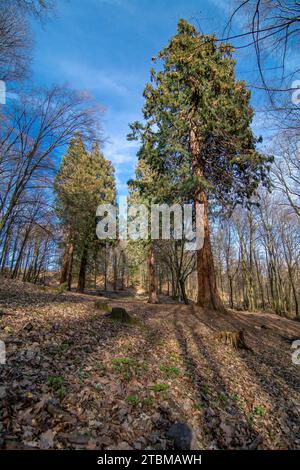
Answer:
(208, 296)
(67, 263)
(152, 277)
(82, 271)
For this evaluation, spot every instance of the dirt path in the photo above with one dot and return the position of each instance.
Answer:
(74, 379)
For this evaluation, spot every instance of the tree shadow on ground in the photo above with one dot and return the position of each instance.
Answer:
(263, 341)
(224, 423)
(68, 353)
(274, 373)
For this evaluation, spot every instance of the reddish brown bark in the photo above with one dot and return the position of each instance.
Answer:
(69, 280)
(66, 272)
(152, 277)
(82, 271)
(208, 296)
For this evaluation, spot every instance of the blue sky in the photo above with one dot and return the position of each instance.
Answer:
(105, 47)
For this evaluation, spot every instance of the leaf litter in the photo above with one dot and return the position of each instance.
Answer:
(76, 380)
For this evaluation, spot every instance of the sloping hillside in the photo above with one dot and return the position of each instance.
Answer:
(76, 379)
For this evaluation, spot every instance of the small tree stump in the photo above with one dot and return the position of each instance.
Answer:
(116, 313)
(103, 306)
(235, 339)
(121, 315)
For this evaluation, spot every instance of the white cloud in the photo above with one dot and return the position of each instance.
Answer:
(122, 187)
(222, 4)
(122, 154)
(84, 76)
(119, 151)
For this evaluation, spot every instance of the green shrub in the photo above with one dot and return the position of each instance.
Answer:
(159, 388)
(132, 400)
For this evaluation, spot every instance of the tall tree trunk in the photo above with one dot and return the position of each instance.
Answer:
(123, 260)
(159, 280)
(152, 277)
(174, 285)
(82, 271)
(105, 267)
(260, 282)
(66, 263)
(208, 295)
(26, 270)
(251, 293)
(183, 291)
(231, 292)
(5, 249)
(69, 280)
(20, 255)
(293, 287)
(115, 269)
(14, 251)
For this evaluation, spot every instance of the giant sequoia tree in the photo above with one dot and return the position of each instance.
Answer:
(197, 135)
(85, 180)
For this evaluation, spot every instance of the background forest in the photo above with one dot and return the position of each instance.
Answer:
(48, 208)
(123, 344)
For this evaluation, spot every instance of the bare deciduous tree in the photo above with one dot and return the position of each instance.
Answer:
(34, 128)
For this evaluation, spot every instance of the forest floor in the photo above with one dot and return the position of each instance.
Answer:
(76, 379)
